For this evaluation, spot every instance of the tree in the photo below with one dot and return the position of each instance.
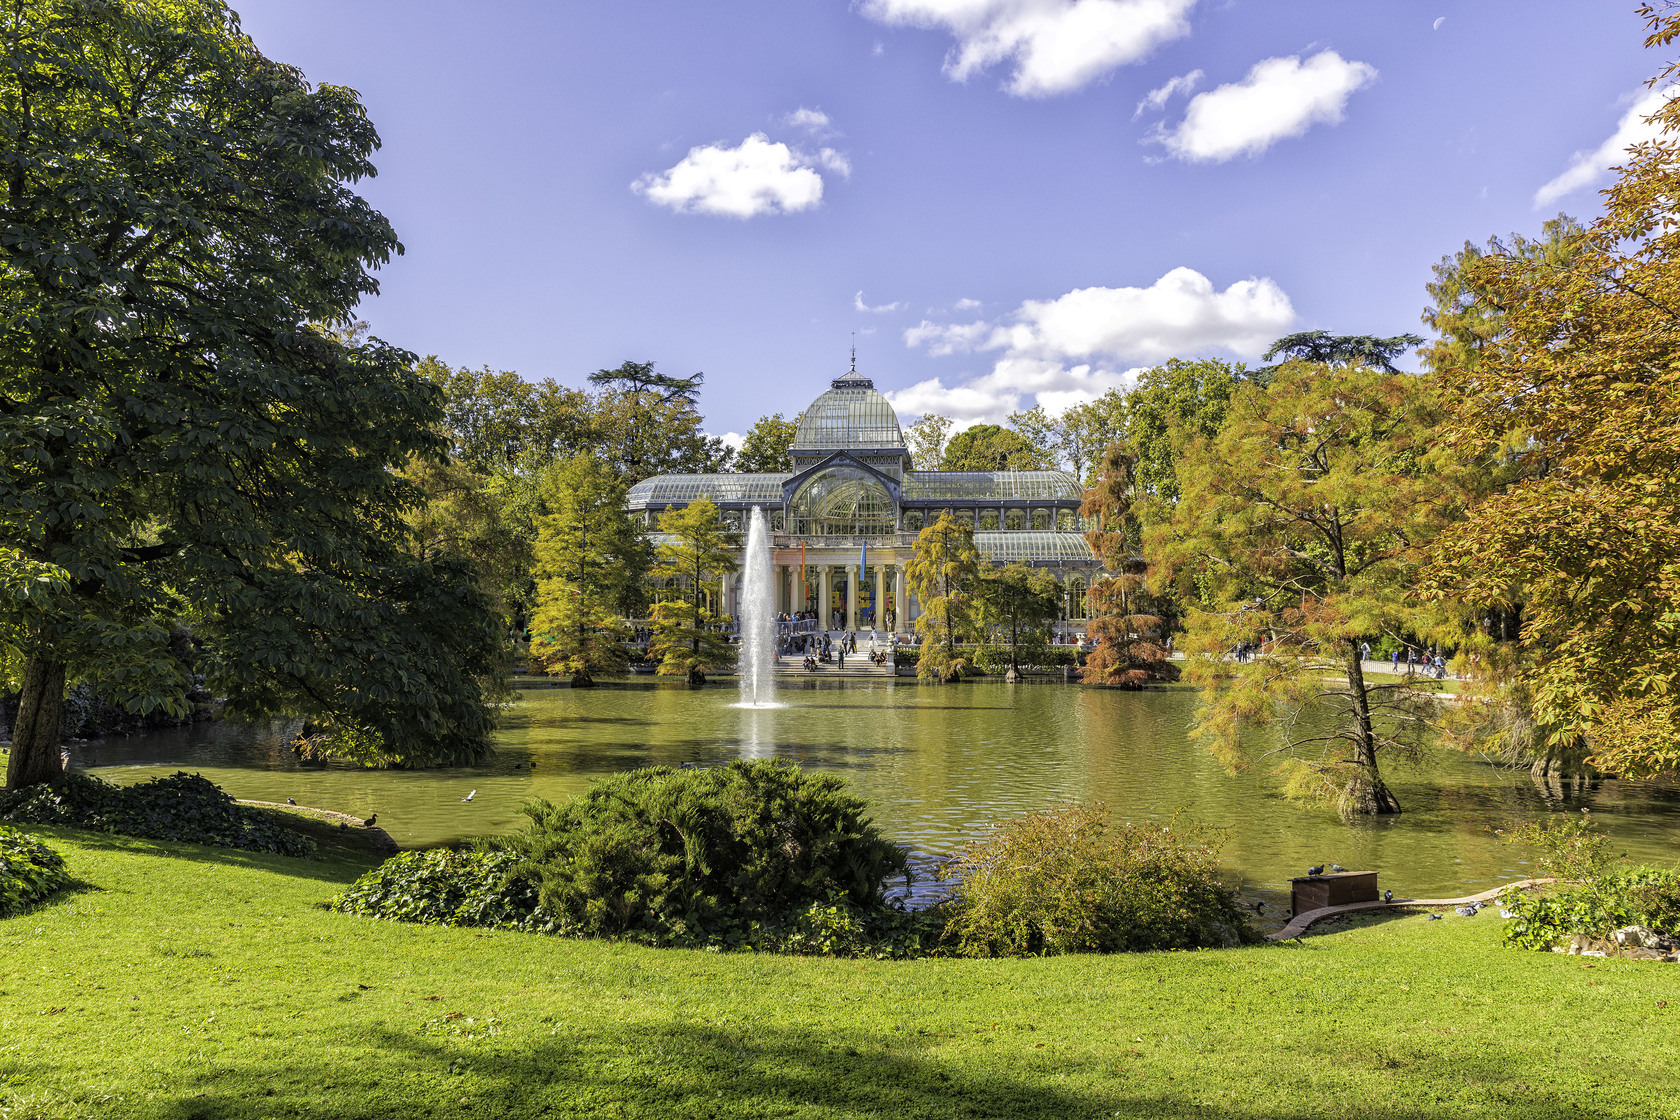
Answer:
(464, 517)
(1042, 433)
(684, 639)
(1300, 530)
(1085, 431)
(1328, 349)
(942, 574)
(1020, 600)
(1129, 650)
(178, 439)
(926, 439)
(765, 450)
(498, 420)
(1171, 403)
(591, 559)
(647, 423)
(1580, 388)
(988, 447)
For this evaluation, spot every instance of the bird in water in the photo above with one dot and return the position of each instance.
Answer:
(470, 796)
(1337, 869)
(1388, 896)
(1256, 906)
(1316, 871)
(369, 822)
(291, 801)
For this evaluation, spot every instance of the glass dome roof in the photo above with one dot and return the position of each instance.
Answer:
(850, 415)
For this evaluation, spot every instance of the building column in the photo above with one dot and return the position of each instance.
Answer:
(825, 597)
(851, 596)
(781, 586)
(901, 599)
(879, 602)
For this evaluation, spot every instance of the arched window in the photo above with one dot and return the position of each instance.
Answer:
(1066, 519)
(1073, 597)
(966, 517)
(988, 519)
(843, 502)
(775, 521)
(1015, 519)
(913, 521)
(732, 519)
(1041, 519)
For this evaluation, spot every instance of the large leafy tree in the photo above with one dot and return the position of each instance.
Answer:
(591, 559)
(1579, 389)
(926, 439)
(765, 448)
(177, 440)
(647, 423)
(1300, 530)
(991, 447)
(1340, 349)
(943, 573)
(1172, 403)
(699, 551)
(1129, 648)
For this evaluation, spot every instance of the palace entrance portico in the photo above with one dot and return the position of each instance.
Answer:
(844, 595)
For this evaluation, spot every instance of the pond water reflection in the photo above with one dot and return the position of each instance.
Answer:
(936, 762)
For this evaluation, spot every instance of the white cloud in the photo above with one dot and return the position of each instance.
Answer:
(733, 440)
(968, 305)
(1055, 46)
(1156, 99)
(757, 176)
(1588, 168)
(857, 303)
(1436, 26)
(1280, 98)
(814, 121)
(1078, 345)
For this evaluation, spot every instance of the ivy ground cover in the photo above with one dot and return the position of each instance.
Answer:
(187, 982)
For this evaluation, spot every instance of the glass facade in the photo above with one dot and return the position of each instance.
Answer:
(940, 486)
(850, 416)
(842, 502)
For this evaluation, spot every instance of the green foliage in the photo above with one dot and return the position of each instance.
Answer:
(29, 872)
(591, 560)
(943, 573)
(1572, 848)
(764, 450)
(1071, 880)
(1017, 601)
(926, 439)
(1172, 404)
(685, 642)
(443, 886)
(178, 807)
(694, 857)
(988, 447)
(185, 431)
(1643, 896)
(1328, 349)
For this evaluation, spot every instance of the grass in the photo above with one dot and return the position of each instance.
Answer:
(188, 982)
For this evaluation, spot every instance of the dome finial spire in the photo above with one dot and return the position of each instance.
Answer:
(854, 352)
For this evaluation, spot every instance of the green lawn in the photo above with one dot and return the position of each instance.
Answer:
(192, 982)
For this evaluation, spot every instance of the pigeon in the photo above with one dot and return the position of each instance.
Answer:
(1388, 896)
(1432, 917)
(1337, 869)
(470, 796)
(369, 822)
(1467, 911)
(342, 827)
(1506, 914)
(1319, 870)
(291, 801)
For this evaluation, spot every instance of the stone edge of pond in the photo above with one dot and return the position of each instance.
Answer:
(382, 840)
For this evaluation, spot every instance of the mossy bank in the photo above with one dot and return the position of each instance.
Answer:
(183, 981)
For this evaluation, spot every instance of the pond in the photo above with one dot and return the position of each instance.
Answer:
(936, 762)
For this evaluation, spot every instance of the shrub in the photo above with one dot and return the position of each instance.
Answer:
(1612, 899)
(179, 807)
(699, 856)
(1071, 880)
(446, 887)
(29, 872)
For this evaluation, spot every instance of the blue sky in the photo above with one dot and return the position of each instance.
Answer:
(984, 191)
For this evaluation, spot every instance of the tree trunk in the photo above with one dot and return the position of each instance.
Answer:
(582, 679)
(696, 678)
(37, 733)
(1365, 794)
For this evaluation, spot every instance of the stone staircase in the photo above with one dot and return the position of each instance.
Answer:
(857, 665)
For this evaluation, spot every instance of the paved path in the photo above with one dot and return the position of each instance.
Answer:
(1298, 924)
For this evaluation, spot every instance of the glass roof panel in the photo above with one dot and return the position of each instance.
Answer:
(936, 486)
(1005, 546)
(846, 417)
(733, 489)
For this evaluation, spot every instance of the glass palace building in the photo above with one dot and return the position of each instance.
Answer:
(844, 523)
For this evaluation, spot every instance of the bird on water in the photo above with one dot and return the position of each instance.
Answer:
(1316, 871)
(470, 796)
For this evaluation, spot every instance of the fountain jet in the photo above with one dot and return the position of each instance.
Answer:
(757, 665)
